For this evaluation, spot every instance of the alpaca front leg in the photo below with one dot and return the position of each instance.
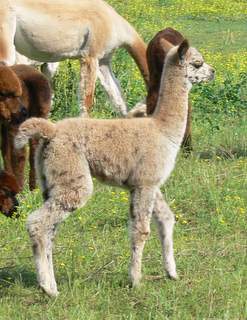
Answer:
(165, 221)
(89, 67)
(111, 86)
(142, 201)
(50, 259)
(6, 148)
(32, 176)
(41, 256)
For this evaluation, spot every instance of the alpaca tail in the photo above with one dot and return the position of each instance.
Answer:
(137, 49)
(34, 128)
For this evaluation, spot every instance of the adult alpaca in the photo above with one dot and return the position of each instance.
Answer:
(24, 92)
(48, 69)
(89, 30)
(74, 149)
(155, 60)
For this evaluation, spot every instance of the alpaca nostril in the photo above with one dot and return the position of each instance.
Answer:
(23, 110)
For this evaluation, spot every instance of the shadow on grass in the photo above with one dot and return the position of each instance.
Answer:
(223, 153)
(11, 276)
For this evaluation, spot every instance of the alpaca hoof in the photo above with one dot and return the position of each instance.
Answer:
(173, 275)
(53, 293)
(135, 283)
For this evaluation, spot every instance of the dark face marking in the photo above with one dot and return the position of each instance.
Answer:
(45, 195)
(108, 135)
(75, 146)
(63, 173)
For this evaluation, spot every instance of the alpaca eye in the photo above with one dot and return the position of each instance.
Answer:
(198, 64)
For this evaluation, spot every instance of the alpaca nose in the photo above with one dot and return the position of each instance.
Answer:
(212, 73)
(8, 204)
(23, 111)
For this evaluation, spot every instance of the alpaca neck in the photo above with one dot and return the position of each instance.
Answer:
(137, 49)
(172, 106)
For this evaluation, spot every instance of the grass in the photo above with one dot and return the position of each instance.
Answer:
(207, 192)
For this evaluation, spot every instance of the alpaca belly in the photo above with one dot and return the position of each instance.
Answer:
(110, 175)
(45, 39)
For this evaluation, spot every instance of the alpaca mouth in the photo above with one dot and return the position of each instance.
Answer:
(10, 212)
(212, 76)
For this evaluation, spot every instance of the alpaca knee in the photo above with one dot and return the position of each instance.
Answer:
(38, 224)
(140, 232)
(33, 225)
(171, 219)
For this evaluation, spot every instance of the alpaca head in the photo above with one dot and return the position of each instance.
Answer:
(11, 107)
(190, 60)
(8, 190)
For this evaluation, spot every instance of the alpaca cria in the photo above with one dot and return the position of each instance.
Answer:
(74, 150)
(89, 30)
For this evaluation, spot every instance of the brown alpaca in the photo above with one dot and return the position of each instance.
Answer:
(24, 92)
(8, 191)
(89, 30)
(73, 150)
(155, 59)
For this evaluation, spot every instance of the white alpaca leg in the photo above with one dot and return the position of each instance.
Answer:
(112, 87)
(88, 76)
(50, 70)
(142, 200)
(40, 225)
(50, 260)
(165, 221)
(37, 228)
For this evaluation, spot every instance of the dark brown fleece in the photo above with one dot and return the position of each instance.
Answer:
(8, 190)
(155, 58)
(24, 92)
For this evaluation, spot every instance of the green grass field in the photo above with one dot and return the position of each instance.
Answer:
(207, 192)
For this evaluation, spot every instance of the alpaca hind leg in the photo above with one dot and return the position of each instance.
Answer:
(73, 193)
(88, 78)
(50, 70)
(39, 227)
(165, 221)
(111, 86)
(142, 200)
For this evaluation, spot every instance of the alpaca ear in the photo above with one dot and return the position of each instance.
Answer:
(182, 49)
(10, 84)
(165, 45)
